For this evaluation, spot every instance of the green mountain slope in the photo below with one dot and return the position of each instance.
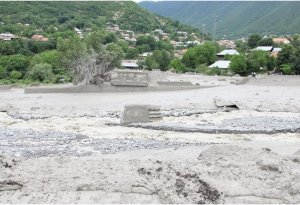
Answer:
(234, 19)
(67, 15)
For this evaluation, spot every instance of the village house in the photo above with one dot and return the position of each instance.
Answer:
(112, 27)
(7, 36)
(193, 42)
(227, 52)
(281, 40)
(263, 48)
(273, 51)
(221, 64)
(182, 33)
(129, 64)
(130, 40)
(39, 38)
(145, 54)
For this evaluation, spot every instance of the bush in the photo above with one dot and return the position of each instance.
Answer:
(178, 66)
(15, 75)
(41, 72)
(208, 71)
(287, 69)
(3, 72)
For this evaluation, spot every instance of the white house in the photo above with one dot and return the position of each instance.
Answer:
(229, 52)
(7, 36)
(264, 48)
(222, 64)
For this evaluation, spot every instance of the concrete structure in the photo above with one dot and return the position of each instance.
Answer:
(175, 83)
(140, 114)
(5, 87)
(131, 78)
(222, 64)
(106, 88)
(130, 64)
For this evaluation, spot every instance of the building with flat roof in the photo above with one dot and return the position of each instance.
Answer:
(222, 64)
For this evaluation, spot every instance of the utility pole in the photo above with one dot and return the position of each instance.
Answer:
(215, 27)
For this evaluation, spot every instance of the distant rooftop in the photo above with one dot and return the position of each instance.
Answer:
(263, 48)
(228, 52)
(277, 49)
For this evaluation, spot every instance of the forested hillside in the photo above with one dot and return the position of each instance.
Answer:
(53, 42)
(67, 15)
(234, 18)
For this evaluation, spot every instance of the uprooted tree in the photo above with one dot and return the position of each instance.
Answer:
(88, 64)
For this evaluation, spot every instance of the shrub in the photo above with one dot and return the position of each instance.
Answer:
(15, 75)
(208, 71)
(3, 72)
(287, 69)
(41, 72)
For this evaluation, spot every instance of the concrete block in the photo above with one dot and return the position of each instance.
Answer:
(140, 114)
(5, 87)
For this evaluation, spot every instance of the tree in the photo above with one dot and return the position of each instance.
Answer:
(286, 55)
(164, 45)
(52, 58)
(297, 62)
(146, 40)
(266, 42)
(241, 46)
(15, 62)
(201, 54)
(178, 65)
(238, 65)
(260, 59)
(118, 53)
(158, 60)
(41, 72)
(132, 53)
(254, 40)
(86, 65)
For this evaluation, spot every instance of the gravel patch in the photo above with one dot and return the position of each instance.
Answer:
(244, 125)
(30, 143)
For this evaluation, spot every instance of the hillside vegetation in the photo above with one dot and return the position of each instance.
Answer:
(53, 42)
(67, 15)
(234, 19)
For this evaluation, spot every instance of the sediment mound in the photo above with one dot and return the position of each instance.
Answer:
(220, 174)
